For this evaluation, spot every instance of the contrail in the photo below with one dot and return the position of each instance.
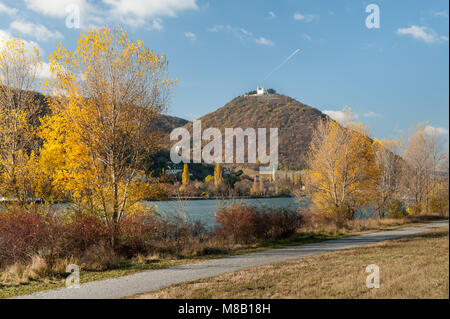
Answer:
(282, 63)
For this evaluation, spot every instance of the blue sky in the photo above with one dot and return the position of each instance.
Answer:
(392, 77)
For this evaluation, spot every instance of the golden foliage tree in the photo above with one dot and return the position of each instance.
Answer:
(19, 70)
(185, 177)
(106, 95)
(254, 190)
(209, 179)
(342, 174)
(218, 178)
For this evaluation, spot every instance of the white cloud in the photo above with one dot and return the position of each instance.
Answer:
(4, 36)
(444, 38)
(431, 130)
(342, 117)
(242, 34)
(45, 71)
(421, 33)
(373, 115)
(218, 27)
(38, 31)
(56, 8)
(131, 12)
(443, 14)
(304, 17)
(245, 32)
(373, 46)
(9, 11)
(152, 9)
(89, 14)
(191, 36)
(307, 36)
(135, 12)
(157, 24)
(29, 45)
(272, 15)
(264, 41)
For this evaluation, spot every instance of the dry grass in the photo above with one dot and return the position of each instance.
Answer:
(98, 263)
(19, 274)
(315, 225)
(412, 267)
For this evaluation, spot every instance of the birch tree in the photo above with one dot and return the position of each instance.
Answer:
(106, 95)
(389, 165)
(342, 175)
(19, 70)
(423, 158)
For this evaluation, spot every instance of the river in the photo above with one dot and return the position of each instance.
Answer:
(205, 210)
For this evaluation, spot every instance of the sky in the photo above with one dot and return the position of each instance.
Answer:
(321, 53)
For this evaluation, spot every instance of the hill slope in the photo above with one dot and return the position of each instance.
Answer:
(163, 122)
(166, 123)
(295, 122)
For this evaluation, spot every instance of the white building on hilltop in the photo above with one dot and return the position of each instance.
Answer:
(260, 90)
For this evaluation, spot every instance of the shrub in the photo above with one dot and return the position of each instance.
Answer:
(209, 179)
(26, 234)
(35, 244)
(136, 234)
(245, 224)
(99, 257)
(243, 187)
(396, 209)
(277, 224)
(439, 204)
(82, 231)
(56, 238)
(339, 216)
(176, 236)
(237, 222)
(189, 190)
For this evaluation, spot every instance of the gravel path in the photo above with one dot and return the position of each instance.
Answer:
(156, 279)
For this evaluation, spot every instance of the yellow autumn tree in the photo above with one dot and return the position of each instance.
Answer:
(218, 177)
(105, 96)
(254, 188)
(342, 174)
(185, 177)
(19, 70)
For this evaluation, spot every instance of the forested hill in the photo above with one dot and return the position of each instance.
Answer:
(295, 122)
(164, 123)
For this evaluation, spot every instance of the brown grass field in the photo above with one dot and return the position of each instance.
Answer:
(411, 267)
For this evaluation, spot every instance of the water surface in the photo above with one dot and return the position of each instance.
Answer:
(205, 210)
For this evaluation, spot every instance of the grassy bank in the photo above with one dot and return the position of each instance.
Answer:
(33, 277)
(412, 267)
